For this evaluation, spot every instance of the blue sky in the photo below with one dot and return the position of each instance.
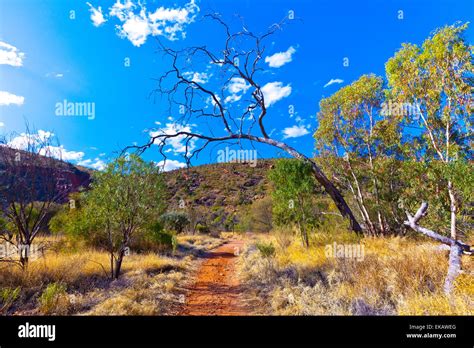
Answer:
(52, 51)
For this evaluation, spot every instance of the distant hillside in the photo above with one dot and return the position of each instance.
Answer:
(217, 194)
(214, 195)
(72, 177)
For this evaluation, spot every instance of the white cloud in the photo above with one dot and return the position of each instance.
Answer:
(232, 98)
(10, 55)
(294, 131)
(137, 23)
(2, 124)
(7, 98)
(275, 91)
(178, 143)
(136, 28)
(60, 152)
(237, 87)
(281, 58)
(97, 17)
(96, 163)
(168, 165)
(197, 76)
(333, 81)
(25, 141)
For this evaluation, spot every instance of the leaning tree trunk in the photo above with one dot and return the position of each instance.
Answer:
(329, 187)
(332, 190)
(457, 248)
(337, 197)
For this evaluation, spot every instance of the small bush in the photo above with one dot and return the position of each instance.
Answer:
(283, 237)
(200, 228)
(266, 249)
(164, 239)
(54, 299)
(7, 297)
(175, 221)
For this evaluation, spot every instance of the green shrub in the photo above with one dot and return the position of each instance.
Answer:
(54, 299)
(7, 297)
(266, 249)
(175, 221)
(165, 240)
(201, 228)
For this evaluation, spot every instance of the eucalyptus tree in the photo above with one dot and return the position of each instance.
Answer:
(358, 140)
(438, 78)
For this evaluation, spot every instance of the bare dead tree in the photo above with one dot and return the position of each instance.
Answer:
(457, 248)
(32, 181)
(241, 58)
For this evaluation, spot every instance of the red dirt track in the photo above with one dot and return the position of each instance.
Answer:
(217, 290)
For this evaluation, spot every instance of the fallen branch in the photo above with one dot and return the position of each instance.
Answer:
(457, 247)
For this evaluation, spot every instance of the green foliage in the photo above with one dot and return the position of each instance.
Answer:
(73, 221)
(352, 121)
(261, 215)
(364, 143)
(201, 228)
(293, 195)
(294, 186)
(220, 189)
(438, 77)
(267, 250)
(7, 297)
(119, 206)
(165, 240)
(52, 298)
(230, 222)
(175, 221)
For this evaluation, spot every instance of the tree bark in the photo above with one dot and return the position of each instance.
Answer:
(24, 250)
(337, 197)
(118, 264)
(453, 209)
(333, 192)
(454, 268)
(456, 250)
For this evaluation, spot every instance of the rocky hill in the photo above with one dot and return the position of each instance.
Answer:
(213, 195)
(218, 194)
(34, 169)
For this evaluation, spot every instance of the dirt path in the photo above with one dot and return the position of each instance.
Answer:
(217, 290)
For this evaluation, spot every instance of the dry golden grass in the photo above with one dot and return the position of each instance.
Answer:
(396, 276)
(77, 281)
